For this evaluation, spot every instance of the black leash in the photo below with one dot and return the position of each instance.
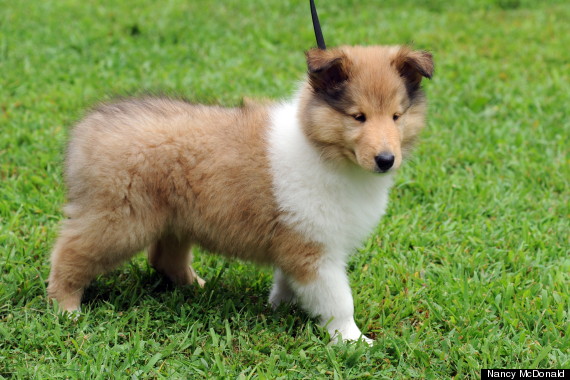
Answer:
(317, 27)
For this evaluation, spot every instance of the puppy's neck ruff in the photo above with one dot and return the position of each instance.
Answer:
(331, 205)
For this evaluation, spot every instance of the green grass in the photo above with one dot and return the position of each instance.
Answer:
(468, 270)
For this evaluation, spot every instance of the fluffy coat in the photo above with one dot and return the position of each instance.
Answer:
(297, 185)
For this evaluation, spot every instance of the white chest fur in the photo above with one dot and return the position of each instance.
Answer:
(336, 207)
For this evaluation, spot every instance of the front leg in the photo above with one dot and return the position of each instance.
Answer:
(281, 291)
(327, 296)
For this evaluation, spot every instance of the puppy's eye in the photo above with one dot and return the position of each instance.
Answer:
(359, 117)
(396, 116)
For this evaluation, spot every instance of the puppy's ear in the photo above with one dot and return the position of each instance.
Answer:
(328, 70)
(413, 65)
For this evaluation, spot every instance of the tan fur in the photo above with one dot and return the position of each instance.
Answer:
(164, 174)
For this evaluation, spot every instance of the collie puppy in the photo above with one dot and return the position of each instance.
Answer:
(297, 185)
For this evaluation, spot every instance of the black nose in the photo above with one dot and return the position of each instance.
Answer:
(384, 161)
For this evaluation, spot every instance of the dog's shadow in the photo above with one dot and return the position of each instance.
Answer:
(225, 295)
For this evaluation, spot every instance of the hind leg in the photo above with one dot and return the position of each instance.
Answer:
(172, 257)
(68, 275)
(83, 251)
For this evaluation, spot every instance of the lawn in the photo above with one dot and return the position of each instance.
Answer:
(469, 269)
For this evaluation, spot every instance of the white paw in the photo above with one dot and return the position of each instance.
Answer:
(195, 278)
(74, 314)
(347, 330)
(367, 340)
(71, 314)
(200, 281)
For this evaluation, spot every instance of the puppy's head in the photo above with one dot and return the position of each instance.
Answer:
(365, 104)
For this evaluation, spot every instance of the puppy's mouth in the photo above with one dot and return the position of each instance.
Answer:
(380, 171)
